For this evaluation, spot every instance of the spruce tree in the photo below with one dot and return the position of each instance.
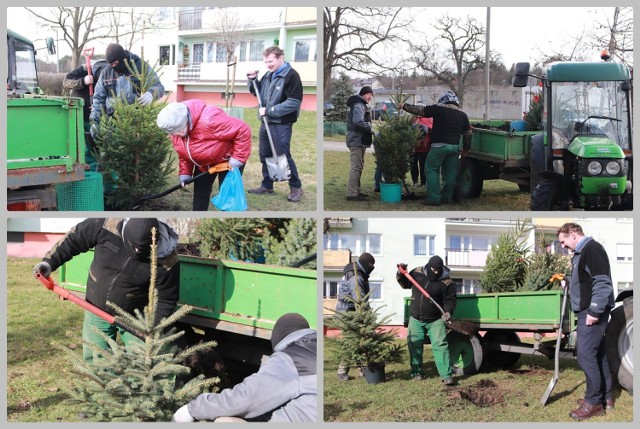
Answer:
(138, 383)
(239, 238)
(342, 90)
(362, 341)
(134, 154)
(533, 117)
(543, 264)
(294, 242)
(506, 263)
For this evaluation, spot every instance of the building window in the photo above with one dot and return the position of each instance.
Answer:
(465, 286)
(210, 47)
(424, 245)
(256, 48)
(376, 291)
(357, 243)
(305, 50)
(624, 252)
(198, 53)
(331, 289)
(221, 53)
(242, 51)
(167, 55)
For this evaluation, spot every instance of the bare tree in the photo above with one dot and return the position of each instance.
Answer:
(129, 25)
(451, 66)
(231, 31)
(353, 35)
(616, 35)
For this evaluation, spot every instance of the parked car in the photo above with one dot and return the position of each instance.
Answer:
(382, 107)
(328, 108)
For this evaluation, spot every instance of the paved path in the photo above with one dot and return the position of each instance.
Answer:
(335, 146)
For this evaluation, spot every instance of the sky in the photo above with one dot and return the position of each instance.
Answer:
(516, 32)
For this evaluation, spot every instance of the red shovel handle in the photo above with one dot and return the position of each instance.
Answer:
(420, 288)
(88, 53)
(52, 286)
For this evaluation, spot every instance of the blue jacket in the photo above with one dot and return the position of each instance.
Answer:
(126, 86)
(281, 94)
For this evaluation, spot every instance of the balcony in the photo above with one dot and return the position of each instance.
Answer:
(190, 20)
(466, 258)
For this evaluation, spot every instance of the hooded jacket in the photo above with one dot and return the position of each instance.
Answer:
(126, 86)
(283, 390)
(213, 138)
(347, 286)
(358, 122)
(281, 94)
(74, 82)
(116, 276)
(442, 290)
(449, 123)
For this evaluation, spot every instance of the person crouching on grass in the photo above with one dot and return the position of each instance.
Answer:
(204, 136)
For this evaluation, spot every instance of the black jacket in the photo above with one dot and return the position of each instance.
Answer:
(443, 291)
(281, 94)
(115, 276)
(74, 82)
(591, 287)
(358, 122)
(449, 123)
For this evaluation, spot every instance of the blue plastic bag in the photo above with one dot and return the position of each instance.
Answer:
(231, 196)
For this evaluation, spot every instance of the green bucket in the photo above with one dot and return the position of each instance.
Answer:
(83, 195)
(390, 192)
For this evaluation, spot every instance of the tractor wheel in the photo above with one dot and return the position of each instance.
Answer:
(619, 344)
(498, 358)
(469, 180)
(546, 196)
(466, 353)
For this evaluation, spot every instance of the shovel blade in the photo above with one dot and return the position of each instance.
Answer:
(547, 392)
(278, 168)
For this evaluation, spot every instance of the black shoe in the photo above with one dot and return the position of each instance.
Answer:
(357, 198)
(363, 195)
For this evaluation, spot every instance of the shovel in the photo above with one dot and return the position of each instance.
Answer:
(277, 165)
(465, 328)
(556, 358)
(65, 294)
(88, 53)
(223, 166)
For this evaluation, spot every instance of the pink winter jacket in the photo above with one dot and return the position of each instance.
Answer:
(213, 138)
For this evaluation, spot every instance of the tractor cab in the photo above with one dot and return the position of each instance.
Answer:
(585, 151)
(22, 76)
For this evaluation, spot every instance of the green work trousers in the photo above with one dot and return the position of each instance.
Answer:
(437, 332)
(442, 161)
(90, 335)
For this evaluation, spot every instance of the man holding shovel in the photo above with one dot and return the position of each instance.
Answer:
(280, 93)
(591, 292)
(426, 317)
(120, 271)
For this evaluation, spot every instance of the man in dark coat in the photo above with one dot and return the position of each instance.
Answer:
(354, 288)
(426, 319)
(359, 138)
(591, 292)
(121, 270)
(449, 124)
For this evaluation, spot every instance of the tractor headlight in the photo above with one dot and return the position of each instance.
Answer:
(613, 168)
(594, 168)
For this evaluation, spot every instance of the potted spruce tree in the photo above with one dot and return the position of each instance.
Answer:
(395, 144)
(363, 343)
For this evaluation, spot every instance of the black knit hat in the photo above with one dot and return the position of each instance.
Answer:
(366, 90)
(136, 234)
(114, 52)
(367, 261)
(286, 324)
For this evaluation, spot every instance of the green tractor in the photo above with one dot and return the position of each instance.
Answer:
(583, 158)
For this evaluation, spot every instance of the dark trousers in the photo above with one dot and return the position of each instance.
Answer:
(281, 135)
(417, 168)
(203, 187)
(592, 358)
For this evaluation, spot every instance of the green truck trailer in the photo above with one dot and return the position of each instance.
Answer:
(45, 134)
(502, 319)
(235, 303)
(582, 156)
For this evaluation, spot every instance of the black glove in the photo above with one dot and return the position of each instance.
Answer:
(404, 266)
(42, 268)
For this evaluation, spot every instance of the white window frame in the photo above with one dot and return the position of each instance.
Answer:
(313, 46)
(430, 244)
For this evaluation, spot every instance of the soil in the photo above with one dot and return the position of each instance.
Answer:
(485, 393)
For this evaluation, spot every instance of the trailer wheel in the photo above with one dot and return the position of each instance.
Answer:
(546, 196)
(466, 353)
(498, 358)
(469, 180)
(619, 343)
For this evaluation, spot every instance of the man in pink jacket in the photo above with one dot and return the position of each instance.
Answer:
(204, 136)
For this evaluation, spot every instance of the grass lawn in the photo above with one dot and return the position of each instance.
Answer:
(496, 194)
(513, 395)
(303, 151)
